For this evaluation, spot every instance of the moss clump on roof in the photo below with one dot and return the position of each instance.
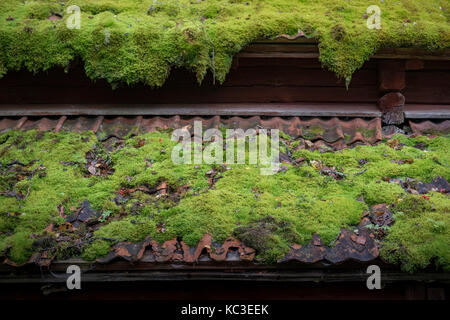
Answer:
(40, 173)
(128, 41)
(420, 234)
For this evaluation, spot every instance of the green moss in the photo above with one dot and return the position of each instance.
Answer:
(70, 184)
(312, 132)
(382, 192)
(268, 236)
(268, 213)
(18, 246)
(327, 216)
(132, 229)
(97, 249)
(367, 133)
(420, 233)
(146, 40)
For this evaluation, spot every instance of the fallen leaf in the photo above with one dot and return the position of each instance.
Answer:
(393, 143)
(92, 170)
(66, 226)
(141, 143)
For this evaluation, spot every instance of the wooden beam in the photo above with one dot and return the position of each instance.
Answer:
(427, 111)
(306, 275)
(224, 109)
(308, 48)
(414, 64)
(391, 75)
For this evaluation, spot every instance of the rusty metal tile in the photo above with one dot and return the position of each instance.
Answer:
(128, 251)
(219, 252)
(334, 133)
(428, 127)
(311, 253)
(21, 122)
(381, 215)
(60, 123)
(174, 251)
(118, 127)
(350, 246)
(79, 124)
(42, 124)
(7, 124)
(98, 123)
(357, 245)
(360, 130)
(155, 123)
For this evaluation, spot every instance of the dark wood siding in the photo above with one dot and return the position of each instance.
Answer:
(261, 79)
(253, 81)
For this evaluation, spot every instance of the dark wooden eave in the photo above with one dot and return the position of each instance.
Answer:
(308, 49)
(122, 271)
(268, 78)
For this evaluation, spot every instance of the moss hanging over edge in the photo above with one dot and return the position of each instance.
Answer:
(129, 41)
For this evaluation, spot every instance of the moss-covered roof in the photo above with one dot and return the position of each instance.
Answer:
(131, 41)
(50, 183)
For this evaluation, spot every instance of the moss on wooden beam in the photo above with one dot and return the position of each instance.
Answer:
(128, 41)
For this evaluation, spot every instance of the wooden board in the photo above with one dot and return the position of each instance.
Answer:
(274, 109)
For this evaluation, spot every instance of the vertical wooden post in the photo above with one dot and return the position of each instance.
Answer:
(391, 75)
(392, 104)
(391, 78)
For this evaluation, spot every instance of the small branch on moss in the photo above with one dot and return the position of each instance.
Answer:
(360, 172)
(31, 177)
(331, 172)
(28, 192)
(107, 239)
(289, 154)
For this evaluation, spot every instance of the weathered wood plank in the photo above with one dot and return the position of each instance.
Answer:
(391, 75)
(223, 94)
(286, 50)
(316, 275)
(237, 109)
(296, 76)
(427, 111)
(426, 94)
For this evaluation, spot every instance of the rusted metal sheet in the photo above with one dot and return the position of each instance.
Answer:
(428, 127)
(80, 124)
(358, 245)
(332, 132)
(42, 124)
(178, 251)
(128, 251)
(6, 124)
